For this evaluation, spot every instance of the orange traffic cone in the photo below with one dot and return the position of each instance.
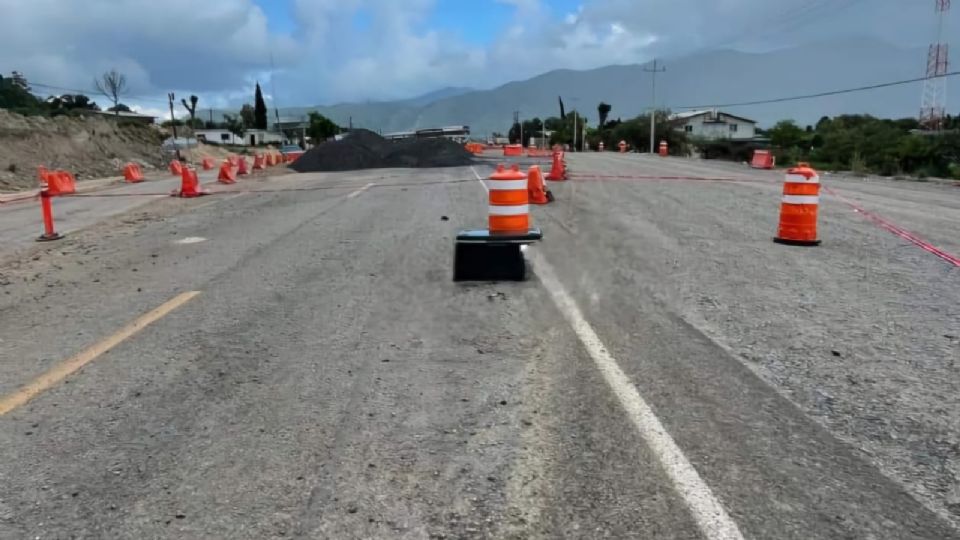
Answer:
(207, 164)
(132, 173)
(226, 175)
(558, 170)
(189, 184)
(799, 207)
(57, 182)
(508, 201)
(536, 187)
(258, 162)
(242, 166)
(176, 168)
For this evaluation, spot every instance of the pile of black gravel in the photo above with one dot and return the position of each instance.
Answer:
(363, 149)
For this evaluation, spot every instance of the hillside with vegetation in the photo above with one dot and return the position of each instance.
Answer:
(864, 144)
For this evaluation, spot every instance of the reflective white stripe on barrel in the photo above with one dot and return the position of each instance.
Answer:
(801, 179)
(801, 199)
(513, 210)
(506, 185)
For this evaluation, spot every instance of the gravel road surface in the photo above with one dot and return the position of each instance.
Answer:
(321, 376)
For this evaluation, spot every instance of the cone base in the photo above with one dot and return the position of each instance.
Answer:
(488, 262)
(480, 255)
(788, 242)
(484, 236)
(49, 237)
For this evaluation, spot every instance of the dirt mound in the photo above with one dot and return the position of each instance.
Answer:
(90, 147)
(363, 149)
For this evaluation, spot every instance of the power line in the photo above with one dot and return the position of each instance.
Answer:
(816, 14)
(788, 21)
(817, 95)
(86, 92)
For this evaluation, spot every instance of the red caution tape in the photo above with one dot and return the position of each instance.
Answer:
(902, 233)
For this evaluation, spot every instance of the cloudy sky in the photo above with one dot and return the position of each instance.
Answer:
(327, 51)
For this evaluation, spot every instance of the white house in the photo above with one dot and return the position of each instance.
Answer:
(714, 124)
(252, 137)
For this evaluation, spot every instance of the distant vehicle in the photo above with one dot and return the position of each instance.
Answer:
(291, 151)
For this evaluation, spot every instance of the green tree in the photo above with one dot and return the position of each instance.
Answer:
(321, 128)
(71, 102)
(13, 95)
(563, 129)
(514, 133)
(916, 151)
(119, 107)
(603, 109)
(553, 124)
(786, 134)
(636, 133)
(534, 126)
(247, 115)
(259, 110)
(234, 125)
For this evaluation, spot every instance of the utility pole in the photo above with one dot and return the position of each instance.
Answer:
(576, 119)
(653, 101)
(173, 124)
(516, 122)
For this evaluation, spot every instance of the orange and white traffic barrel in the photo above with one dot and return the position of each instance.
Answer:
(509, 205)
(799, 207)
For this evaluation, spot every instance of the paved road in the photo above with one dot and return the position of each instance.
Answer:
(21, 220)
(318, 375)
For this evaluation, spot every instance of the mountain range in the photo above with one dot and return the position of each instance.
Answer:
(701, 80)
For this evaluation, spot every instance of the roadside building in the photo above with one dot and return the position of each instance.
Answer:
(400, 135)
(714, 124)
(455, 133)
(252, 137)
(293, 128)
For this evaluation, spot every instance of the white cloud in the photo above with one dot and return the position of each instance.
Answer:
(185, 45)
(162, 114)
(218, 49)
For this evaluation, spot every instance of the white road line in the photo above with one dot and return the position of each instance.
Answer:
(709, 514)
(707, 511)
(361, 190)
(482, 183)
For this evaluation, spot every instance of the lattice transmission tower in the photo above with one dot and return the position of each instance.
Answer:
(933, 105)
